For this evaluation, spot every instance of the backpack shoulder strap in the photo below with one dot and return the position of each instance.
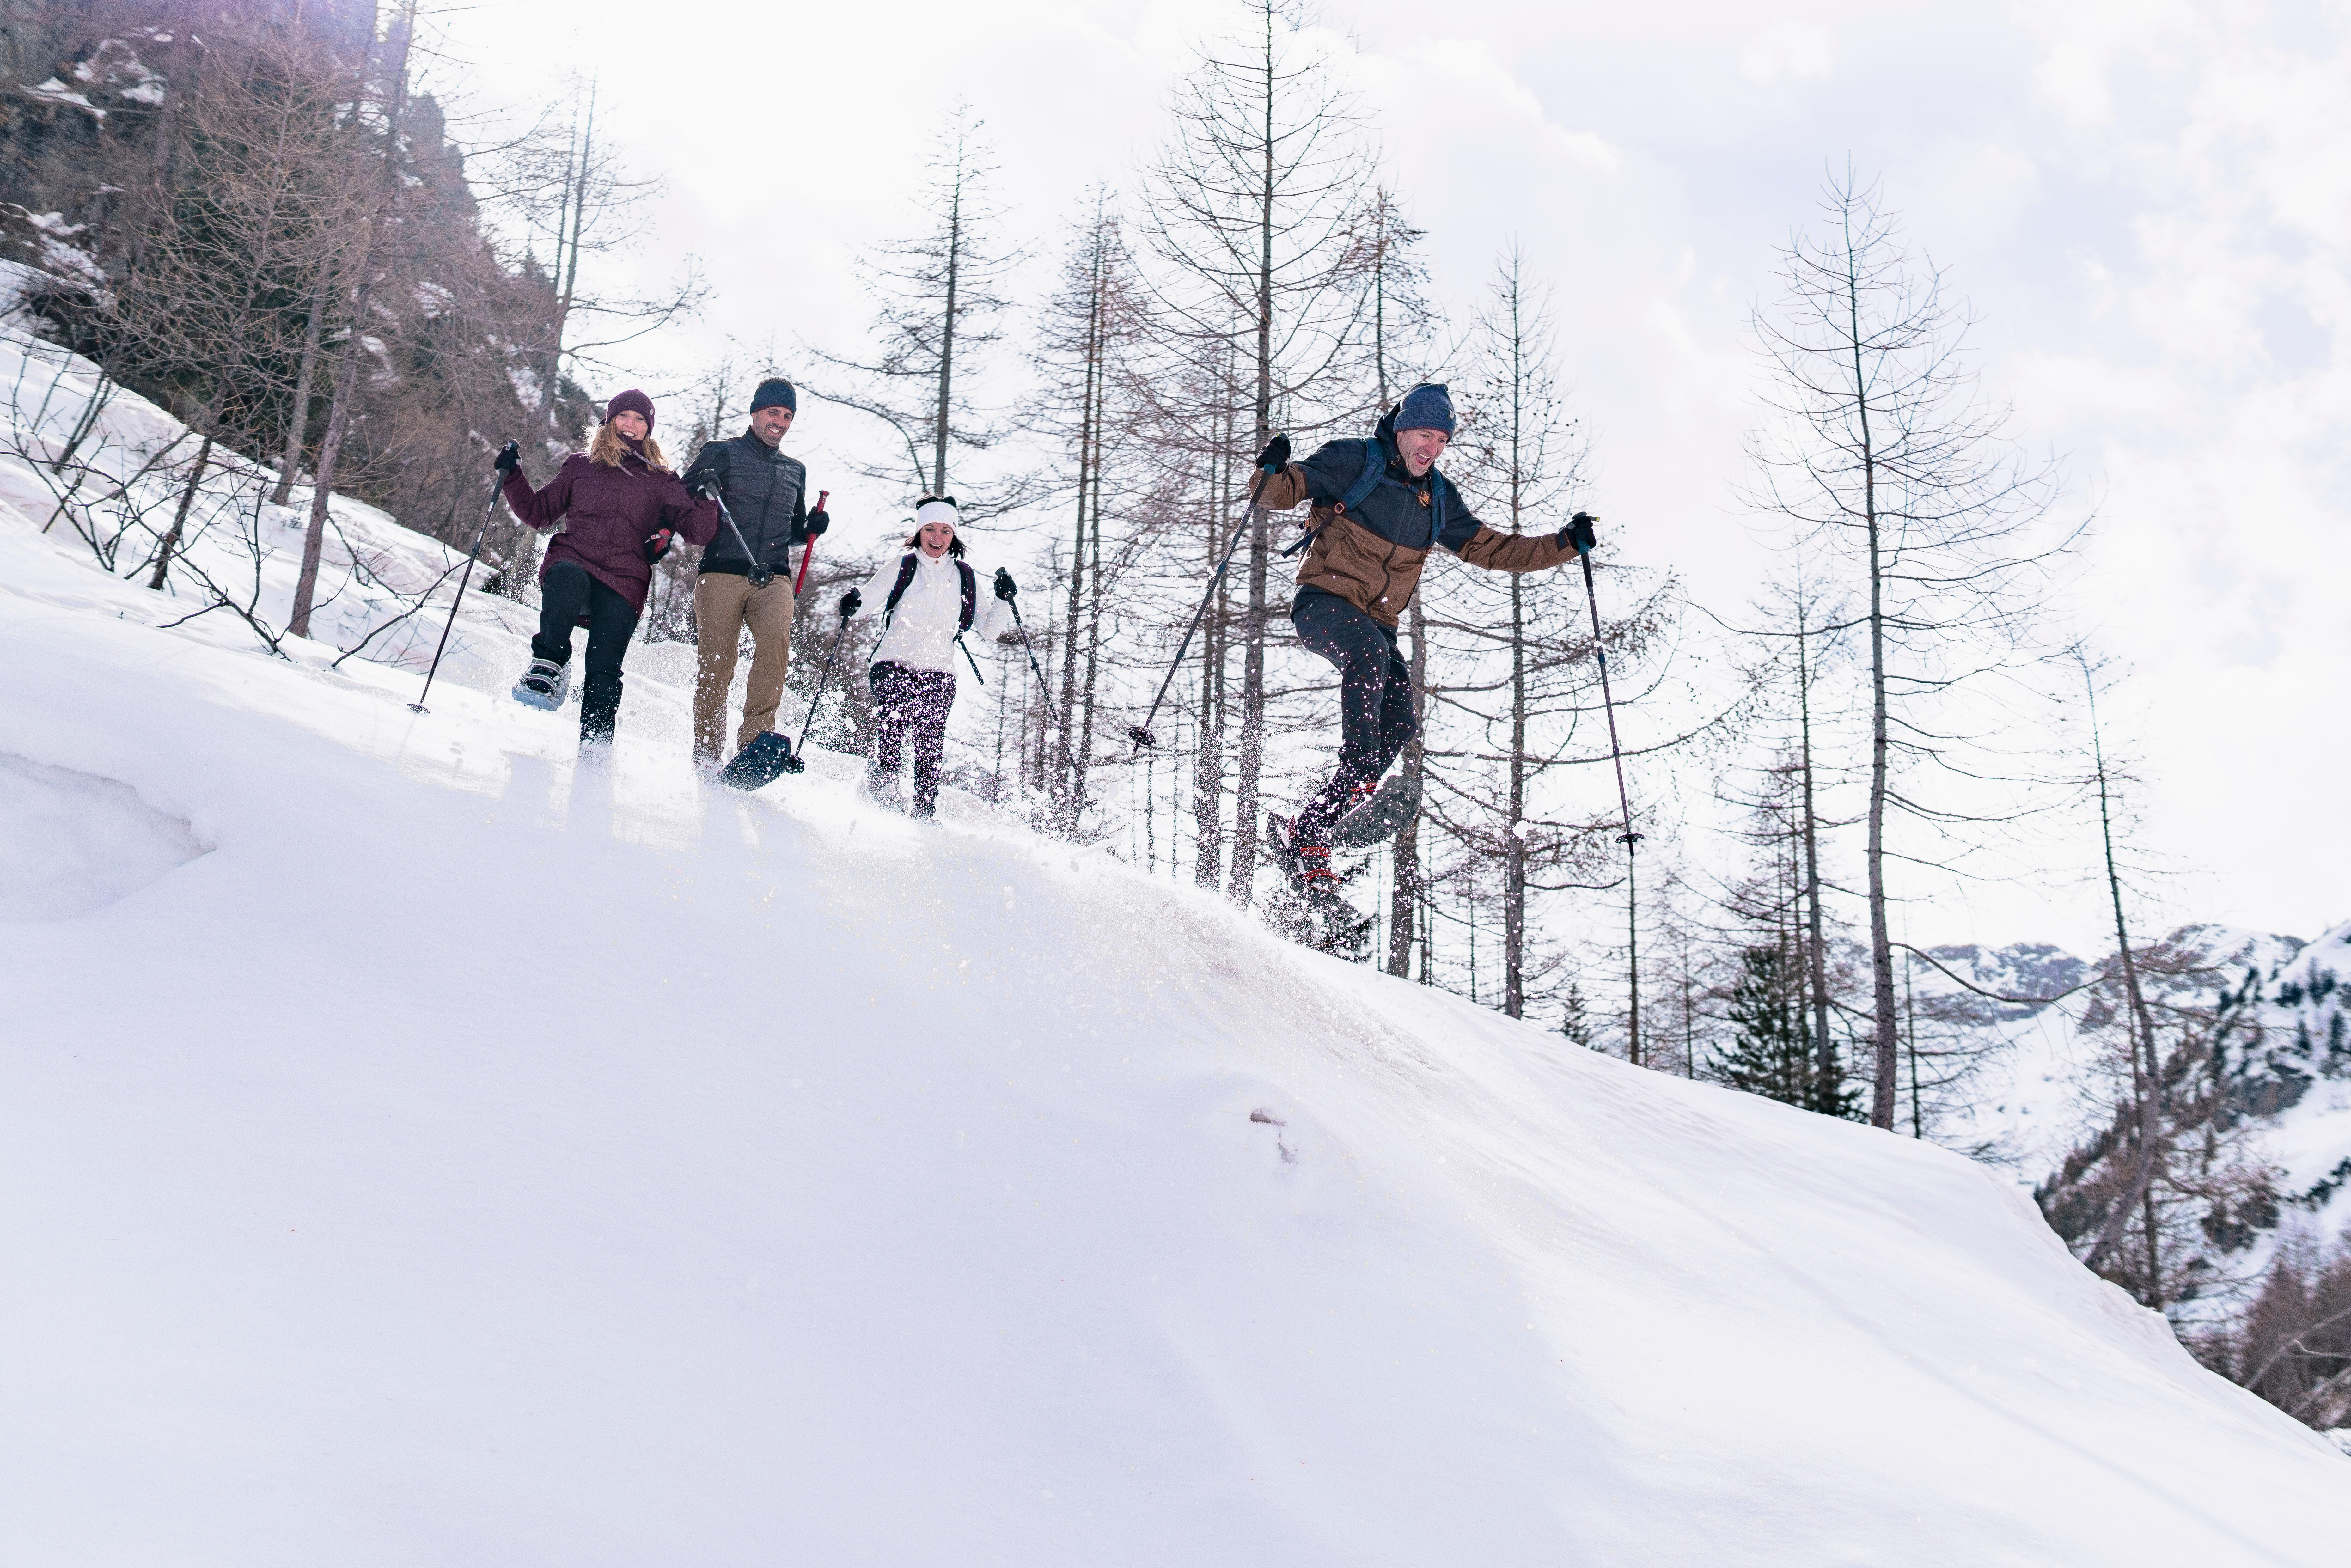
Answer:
(970, 597)
(1374, 462)
(898, 589)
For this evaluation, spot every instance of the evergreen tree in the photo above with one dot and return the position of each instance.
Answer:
(1771, 1053)
(1576, 1022)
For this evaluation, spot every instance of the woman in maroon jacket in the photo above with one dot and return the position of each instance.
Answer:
(621, 506)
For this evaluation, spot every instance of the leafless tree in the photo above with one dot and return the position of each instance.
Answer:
(1883, 457)
(935, 311)
(1253, 209)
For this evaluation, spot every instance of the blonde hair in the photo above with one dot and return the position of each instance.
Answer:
(608, 448)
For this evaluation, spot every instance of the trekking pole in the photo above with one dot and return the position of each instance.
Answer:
(1141, 733)
(496, 485)
(1607, 701)
(809, 552)
(822, 680)
(761, 573)
(1024, 643)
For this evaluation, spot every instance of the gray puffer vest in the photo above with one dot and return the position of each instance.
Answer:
(767, 493)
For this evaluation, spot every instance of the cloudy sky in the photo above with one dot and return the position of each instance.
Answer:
(2146, 205)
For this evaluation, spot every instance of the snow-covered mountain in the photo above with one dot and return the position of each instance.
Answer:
(419, 1144)
(2286, 1047)
(2040, 1085)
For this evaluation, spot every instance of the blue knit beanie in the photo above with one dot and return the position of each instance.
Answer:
(775, 392)
(1428, 407)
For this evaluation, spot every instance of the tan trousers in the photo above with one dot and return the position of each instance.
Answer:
(723, 603)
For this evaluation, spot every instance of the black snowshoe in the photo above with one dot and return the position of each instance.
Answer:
(759, 764)
(1382, 817)
(1309, 910)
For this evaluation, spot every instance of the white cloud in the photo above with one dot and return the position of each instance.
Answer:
(1788, 51)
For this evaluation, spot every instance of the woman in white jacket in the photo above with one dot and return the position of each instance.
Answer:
(931, 599)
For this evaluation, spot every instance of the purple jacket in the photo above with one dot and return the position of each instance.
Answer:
(612, 513)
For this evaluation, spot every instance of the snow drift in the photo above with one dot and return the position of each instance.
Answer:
(463, 1154)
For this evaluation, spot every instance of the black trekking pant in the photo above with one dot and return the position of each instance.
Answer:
(568, 595)
(1375, 716)
(910, 703)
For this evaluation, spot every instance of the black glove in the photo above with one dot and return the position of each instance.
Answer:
(509, 459)
(1275, 455)
(706, 488)
(659, 544)
(1005, 587)
(851, 603)
(818, 521)
(1578, 536)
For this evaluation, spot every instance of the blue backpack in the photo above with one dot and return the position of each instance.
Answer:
(1375, 464)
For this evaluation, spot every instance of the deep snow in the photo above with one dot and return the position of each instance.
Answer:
(458, 1154)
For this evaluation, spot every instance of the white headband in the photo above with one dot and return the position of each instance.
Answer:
(931, 512)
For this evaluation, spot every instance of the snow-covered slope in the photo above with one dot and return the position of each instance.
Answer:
(438, 1151)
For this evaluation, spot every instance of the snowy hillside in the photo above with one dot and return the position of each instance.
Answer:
(417, 1146)
(111, 490)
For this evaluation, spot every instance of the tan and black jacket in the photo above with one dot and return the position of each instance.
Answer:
(1371, 555)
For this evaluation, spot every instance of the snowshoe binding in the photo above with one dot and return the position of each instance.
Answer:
(759, 764)
(1380, 818)
(1311, 911)
(544, 684)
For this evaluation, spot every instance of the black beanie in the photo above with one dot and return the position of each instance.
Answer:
(775, 392)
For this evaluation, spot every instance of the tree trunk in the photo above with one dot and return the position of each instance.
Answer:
(1885, 1061)
(338, 409)
(2147, 1079)
(1816, 955)
(1514, 846)
(947, 335)
(1069, 771)
(1208, 774)
(1242, 886)
(297, 420)
(180, 516)
(1405, 898)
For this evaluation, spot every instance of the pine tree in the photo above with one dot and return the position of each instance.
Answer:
(1771, 1053)
(1768, 1054)
(1575, 1021)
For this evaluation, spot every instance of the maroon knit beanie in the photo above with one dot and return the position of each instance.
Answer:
(632, 401)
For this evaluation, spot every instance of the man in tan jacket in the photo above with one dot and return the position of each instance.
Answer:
(1380, 507)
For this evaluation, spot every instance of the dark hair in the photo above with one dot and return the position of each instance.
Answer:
(955, 544)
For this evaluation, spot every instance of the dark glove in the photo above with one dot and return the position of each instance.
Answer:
(706, 488)
(509, 459)
(1578, 536)
(851, 603)
(659, 544)
(818, 521)
(1005, 587)
(1275, 455)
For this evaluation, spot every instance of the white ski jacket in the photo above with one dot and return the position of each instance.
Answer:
(922, 634)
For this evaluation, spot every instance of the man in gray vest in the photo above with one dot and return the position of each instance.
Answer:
(745, 576)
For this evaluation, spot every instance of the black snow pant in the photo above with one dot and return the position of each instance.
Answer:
(910, 702)
(1375, 706)
(568, 595)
